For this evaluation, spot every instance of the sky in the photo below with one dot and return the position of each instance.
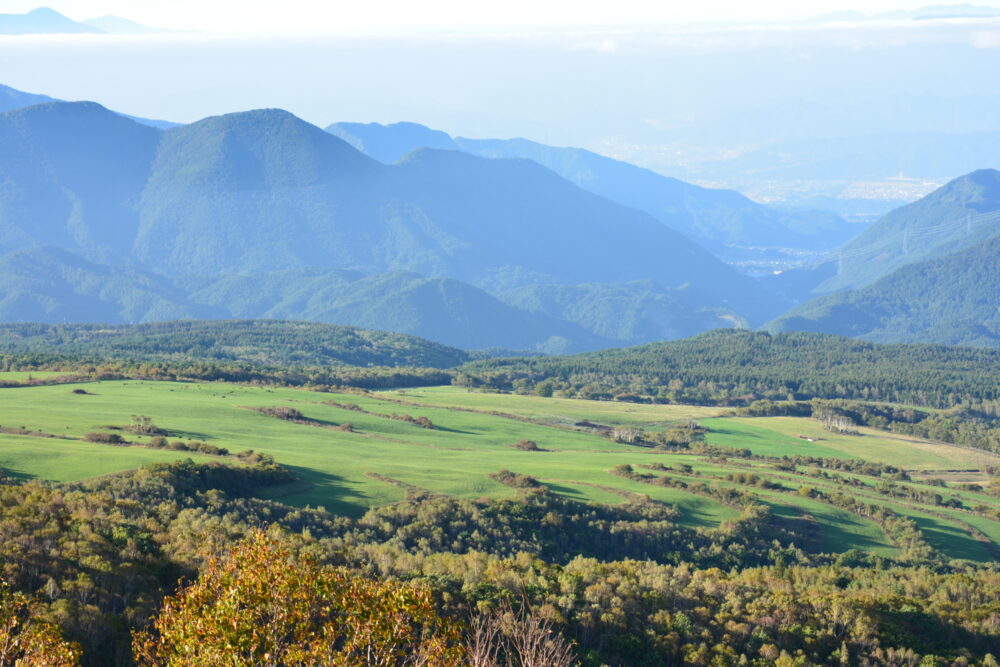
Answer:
(311, 17)
(677, 86)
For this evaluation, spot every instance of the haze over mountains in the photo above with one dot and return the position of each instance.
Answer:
(722, 220)
(473, 243)
(278, 218)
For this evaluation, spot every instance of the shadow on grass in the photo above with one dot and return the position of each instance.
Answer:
(320, 489)
(16, 475)
(567, 491)
(696, 513)
(445, 429)
(951, 540)
(187, 435)
(842, 532)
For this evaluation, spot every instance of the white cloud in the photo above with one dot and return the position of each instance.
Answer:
(985, 39)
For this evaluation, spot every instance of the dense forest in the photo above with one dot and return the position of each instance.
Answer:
(731, 367)
(722, 367)
(622, 585)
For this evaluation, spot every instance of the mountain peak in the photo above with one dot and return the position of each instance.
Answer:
(45, 11)
(260, 148)
(984, 176)
(42, 20)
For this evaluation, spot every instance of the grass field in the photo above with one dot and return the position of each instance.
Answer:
(19, 376)
(778, 436)
(556, 410)
(466, 445)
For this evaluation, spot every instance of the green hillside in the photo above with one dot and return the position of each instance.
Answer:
(952, 300)
(371, 465)
(119, 486)
(958, 215)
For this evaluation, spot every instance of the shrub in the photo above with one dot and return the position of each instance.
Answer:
(282, 412)
(143, 425)
(105, 438)
(512, 479)
(262, 606)
(526, 445)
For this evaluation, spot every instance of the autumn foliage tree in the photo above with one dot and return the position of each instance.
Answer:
(26, 641)
(261, 606)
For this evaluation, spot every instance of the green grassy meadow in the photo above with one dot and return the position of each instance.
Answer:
(349, 472)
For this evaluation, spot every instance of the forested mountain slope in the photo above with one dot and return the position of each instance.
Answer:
(962, 213)
(954, 300)
(46, 284)
(626, 313)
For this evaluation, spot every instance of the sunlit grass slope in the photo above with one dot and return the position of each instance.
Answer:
(350, 471)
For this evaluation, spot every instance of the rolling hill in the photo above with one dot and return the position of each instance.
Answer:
(440, 309)
(728, 367)
(625, 313)
(50, 285)
(47, 284)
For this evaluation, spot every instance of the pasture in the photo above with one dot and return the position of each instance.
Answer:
(370, 464)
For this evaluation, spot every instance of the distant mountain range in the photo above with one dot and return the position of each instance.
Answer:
(42, 21)
(46, 21)
(260, 214)
(724, 221)
(472, 243)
